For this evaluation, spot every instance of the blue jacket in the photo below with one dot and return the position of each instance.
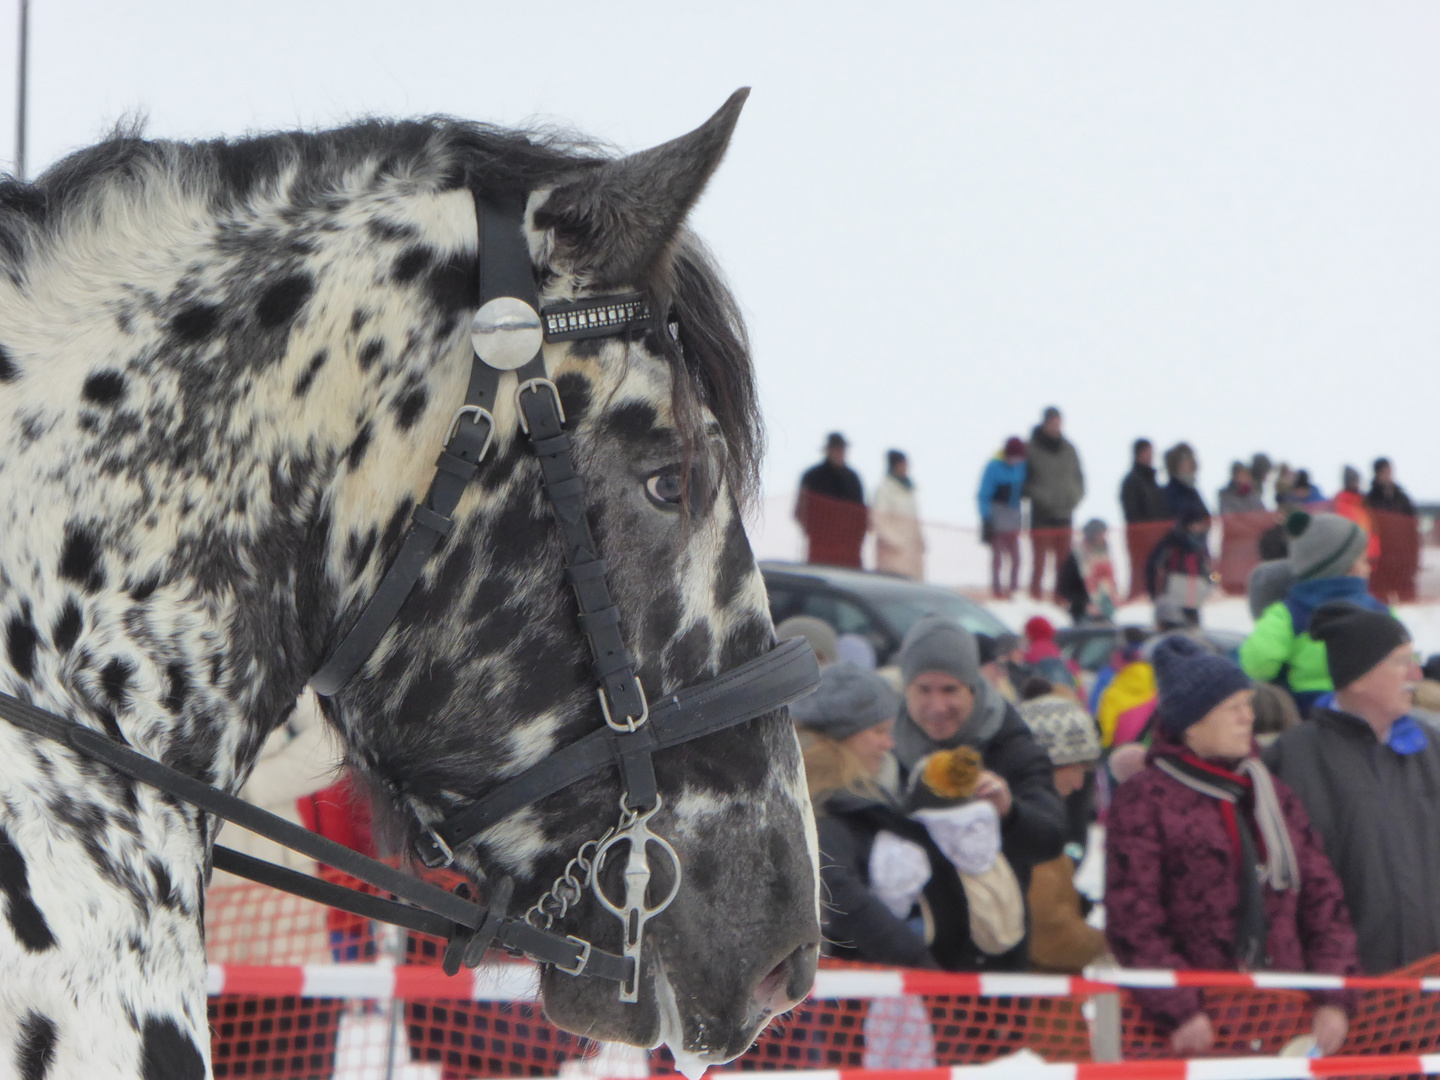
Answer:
(999, 472)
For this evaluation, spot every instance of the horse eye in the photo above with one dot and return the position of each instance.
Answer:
(663, 486)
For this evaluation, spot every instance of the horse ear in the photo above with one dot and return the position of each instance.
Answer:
(614, 224)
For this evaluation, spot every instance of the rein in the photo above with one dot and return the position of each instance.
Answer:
(508, 333)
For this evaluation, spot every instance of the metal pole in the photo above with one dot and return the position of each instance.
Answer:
(20, 95)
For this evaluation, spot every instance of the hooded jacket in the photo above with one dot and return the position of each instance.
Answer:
(1053, 482)
(858, 925)
(1172, 893)
(1377, 809)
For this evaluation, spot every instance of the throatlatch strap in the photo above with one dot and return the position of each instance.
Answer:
(471, 433)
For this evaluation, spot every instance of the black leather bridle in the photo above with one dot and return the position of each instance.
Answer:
(509, 331)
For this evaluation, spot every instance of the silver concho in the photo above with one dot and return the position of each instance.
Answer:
(506, 333)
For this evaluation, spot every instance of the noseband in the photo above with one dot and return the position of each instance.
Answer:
(508, 334)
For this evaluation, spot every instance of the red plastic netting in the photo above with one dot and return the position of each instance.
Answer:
(295, 1038)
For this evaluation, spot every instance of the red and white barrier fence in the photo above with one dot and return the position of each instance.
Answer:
(518, 982)
(1197, 1069)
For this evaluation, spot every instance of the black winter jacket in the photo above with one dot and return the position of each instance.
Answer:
(1378, 813)
(858, 926)
(1034, 831)
(1142, 498)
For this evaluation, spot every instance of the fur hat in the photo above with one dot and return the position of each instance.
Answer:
(1324, 545)
(1063, 729)
(848, 700)
(1191, 681)
(816, 632)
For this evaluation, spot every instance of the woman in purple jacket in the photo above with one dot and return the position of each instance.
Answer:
(1211, 863)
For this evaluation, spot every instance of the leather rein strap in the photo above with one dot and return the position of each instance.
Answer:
(634, 729)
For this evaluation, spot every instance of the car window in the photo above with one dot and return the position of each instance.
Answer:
(845, 616)
(903, 612)
(784, 602)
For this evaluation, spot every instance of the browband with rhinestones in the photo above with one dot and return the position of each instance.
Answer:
(574, 320)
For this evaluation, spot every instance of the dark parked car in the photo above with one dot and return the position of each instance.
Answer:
(876, 606)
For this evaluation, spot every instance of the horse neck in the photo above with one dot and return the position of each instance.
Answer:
(186, 517)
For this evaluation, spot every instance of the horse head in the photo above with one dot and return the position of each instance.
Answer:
(226, 369)
(486, 672)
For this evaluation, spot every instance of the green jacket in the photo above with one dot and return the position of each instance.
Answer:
(1273, 644)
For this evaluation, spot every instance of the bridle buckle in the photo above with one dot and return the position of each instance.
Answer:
(477, 413)
(583, 959)
(630, 724)
(534, 386)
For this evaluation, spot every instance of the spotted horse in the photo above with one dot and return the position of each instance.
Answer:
(226, 371)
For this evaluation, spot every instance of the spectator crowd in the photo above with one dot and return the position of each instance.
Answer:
(1275, 811)
(1031, 489)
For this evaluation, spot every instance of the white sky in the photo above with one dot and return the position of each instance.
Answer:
(1210, 221)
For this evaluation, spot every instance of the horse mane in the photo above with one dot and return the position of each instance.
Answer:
(711, 358)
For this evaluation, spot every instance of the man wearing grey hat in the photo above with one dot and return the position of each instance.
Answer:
(948, 703)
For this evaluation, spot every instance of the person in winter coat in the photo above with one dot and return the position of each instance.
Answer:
(1086, 582)
(1369, 775)
(1212, 864)
(999, 497)
(1243, 518)
(1054, 484)
(1399, 534)
(892, 896)
(899, 547)
(298, 759)
(1304, 492)
(831, 508)
(1350, 503)
(1147, 514)
(1060, 939)
(1181, 495)
(948, 704)
(1179, 567)
(1126, 705)
(298, 763)
(1327, 558)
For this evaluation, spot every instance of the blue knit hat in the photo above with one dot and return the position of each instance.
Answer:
(1192, 681)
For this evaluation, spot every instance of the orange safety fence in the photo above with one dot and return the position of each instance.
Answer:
(828, 531)
(351, 1038)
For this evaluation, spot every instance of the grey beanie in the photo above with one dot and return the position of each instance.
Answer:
(938, 644)
(1323, 545)
(848, 700)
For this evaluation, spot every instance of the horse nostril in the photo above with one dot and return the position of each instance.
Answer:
(789, 981)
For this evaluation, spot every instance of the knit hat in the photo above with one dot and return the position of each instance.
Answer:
(1269, 583)
(1094, 529)
(1015, 447)
(848, 700)
(1356, 640)
(1039, 628)
(1323, 545)
(818, 633)
(1063, 729)
(938, 644)
(1191, 681)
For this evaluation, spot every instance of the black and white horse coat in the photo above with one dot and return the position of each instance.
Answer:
(225, 371)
